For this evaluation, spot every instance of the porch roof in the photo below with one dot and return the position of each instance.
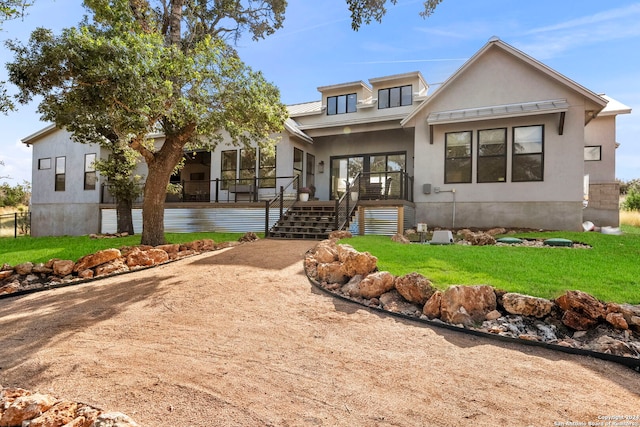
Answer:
(498, 111)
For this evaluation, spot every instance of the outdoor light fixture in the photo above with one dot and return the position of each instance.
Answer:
(321, 166)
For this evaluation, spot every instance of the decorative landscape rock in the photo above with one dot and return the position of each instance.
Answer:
(326, 251)
(98, 258)
(24, 269)
(480, 239)
(355, 262)
(332, 272)
(581, 310)
(399, 238)
(431, 308)
(376, 284)
(462, 302)
(526, 305)
(393, 301)
(19, 407)
(63, 267)
(414, 288)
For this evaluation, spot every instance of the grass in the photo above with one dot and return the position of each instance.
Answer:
(42, 249)
(609, 271)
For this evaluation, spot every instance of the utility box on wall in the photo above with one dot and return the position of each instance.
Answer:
(426, 188)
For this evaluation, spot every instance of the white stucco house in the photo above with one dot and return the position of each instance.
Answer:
(505, 141)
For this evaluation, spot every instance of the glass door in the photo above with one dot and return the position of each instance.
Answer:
(344, 170)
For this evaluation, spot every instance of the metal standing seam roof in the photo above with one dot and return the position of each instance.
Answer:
(498, 111)
(306, 108)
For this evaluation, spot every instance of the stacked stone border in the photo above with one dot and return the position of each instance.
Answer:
(338, 280)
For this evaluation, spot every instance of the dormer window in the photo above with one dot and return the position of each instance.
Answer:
(341, 104)
(395, 97)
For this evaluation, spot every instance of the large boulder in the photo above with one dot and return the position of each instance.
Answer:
(581, 310)
(63, 267)
(100, 257)
(526, 305)
(630, 313)
(60, 414)
(25, 408)
(326, 251)
(480, 239)
(24, 269)
(340, 234)
(431, 308)
(139, 258)
(332, 272)
(415, 288)
(111, 267)
(464, 304)
(376, 284)
(355, 262)
(399, 238)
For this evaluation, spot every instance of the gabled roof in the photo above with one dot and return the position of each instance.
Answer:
(292, 127)
(496, 43)
(614, 107)
(39, 134)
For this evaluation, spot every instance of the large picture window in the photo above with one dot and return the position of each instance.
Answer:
(528, 153)
(90, 176)
(341, 104)
(267, 169)
(247, 166)
(229, 168)
(395, 97)
(61, 169)
(457, 167)
(492, 155)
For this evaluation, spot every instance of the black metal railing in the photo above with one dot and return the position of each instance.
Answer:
(346, 204)
(283, 202)
(395, 185)
(15, 224)
(217, 190)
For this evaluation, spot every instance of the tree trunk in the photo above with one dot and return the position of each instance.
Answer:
(123, 214)
(161, 167)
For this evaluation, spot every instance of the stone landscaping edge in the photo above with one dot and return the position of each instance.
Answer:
(335, 290)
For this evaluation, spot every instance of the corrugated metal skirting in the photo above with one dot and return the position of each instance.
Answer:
(380, 220)
(190, 220)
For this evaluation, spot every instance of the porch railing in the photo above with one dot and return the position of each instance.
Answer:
(346, 204)
(284, 200)
(396, 185)
(217, 190)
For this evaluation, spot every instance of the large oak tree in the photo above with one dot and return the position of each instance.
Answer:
(146, 65)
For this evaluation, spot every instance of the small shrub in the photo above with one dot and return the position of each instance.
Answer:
(632, 200)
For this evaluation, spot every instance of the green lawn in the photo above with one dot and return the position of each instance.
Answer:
(42, 249)
(609, 271)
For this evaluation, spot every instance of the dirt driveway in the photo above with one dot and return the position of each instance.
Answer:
(240, 338)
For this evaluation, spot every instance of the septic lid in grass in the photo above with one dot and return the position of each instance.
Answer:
(509, 240)
(558, 242)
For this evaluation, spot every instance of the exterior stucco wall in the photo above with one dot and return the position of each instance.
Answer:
(555, 202)
(537, 215)
(59, 144)
(64, 219)
(601, 131)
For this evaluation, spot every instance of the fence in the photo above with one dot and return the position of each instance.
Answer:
(15, 224)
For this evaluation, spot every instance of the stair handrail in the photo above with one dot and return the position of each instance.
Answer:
(345, 205)
(279, 202)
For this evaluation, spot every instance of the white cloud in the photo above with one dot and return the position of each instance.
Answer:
(603, 27)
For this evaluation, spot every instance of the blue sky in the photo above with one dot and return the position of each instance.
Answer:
(595, 43)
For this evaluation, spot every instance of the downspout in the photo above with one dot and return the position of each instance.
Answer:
(453, 192)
